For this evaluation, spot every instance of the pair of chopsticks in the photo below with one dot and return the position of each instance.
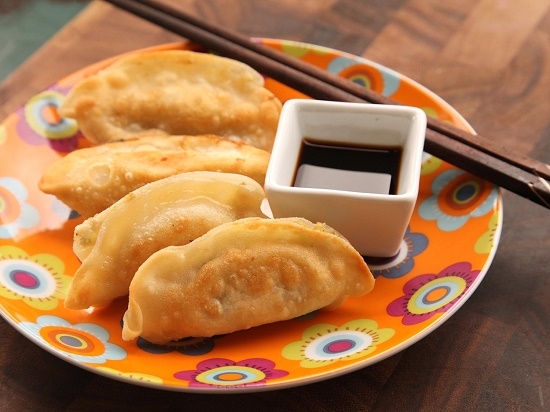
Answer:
(519, 174)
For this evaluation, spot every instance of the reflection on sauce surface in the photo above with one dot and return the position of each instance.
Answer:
(356, 168)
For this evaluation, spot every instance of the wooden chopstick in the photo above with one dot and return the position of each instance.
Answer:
(517, 173)
(483, 144)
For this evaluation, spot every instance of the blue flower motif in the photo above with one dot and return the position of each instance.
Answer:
(83, 342)
(366, 74)
(63, 211)
(14, 212)
(185, 346)
(456, 197)
(403, 262)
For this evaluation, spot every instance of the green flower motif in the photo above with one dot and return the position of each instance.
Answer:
(324, 344)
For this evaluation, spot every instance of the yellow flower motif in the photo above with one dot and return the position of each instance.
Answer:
(487, 241)
(430, 164)
(141, 377)
(37, 280)
(324, 344)
(430, 111)
(296, 49)
(3, 134)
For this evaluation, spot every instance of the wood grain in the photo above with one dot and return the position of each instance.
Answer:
(488, 58)
(493, 48)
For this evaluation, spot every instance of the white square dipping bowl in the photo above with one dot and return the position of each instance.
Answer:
(372, 220)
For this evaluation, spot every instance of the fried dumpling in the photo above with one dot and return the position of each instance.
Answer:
(176, 92)
(243, 274)
(171, 211)
(91, 179)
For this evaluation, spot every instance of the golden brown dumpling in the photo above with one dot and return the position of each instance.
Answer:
(171, 211)
(90, 180)
(175, 92)
(243, 274)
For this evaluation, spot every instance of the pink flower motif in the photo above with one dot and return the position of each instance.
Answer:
(428, 294)
(225, 373)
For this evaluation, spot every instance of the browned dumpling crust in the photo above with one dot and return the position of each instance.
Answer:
(243, 274)
(174, 92)
(171, 211)
(91, 179)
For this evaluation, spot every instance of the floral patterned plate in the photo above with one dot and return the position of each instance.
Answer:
(447, 250)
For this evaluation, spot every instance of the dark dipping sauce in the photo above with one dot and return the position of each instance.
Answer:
(356, 168)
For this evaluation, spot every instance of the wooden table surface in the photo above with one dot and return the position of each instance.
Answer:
(491, 60)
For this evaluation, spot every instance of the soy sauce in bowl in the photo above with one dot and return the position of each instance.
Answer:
(350, 167)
